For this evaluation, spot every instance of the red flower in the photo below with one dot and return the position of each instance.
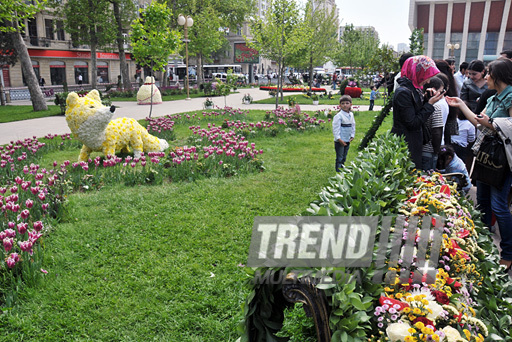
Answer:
(425, 321)
(455, 247)
(402, 305)
(456, 284)
(441, 297)
(445, 189)
(463, 234)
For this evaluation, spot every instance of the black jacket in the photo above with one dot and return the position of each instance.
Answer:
(409, 114)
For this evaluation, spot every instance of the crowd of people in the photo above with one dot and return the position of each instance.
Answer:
(445, 116)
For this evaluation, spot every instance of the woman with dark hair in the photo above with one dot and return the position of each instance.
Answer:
(490, 198)
(463, 141)
(435, 125)
(450, 120)
(410, 110)
(475, 85)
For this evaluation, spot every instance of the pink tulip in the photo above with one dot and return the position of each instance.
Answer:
(8, 242)
(25, 213)
(45, 206)
(29, 203)
(25, 246)
(38, 226)
(15, 208)
(34, 236)
(14, 189)
(18, 180)
(22, 228)
(41, 196)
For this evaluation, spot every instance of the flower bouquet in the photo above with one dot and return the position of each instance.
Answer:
(208, 103)
(247, 99)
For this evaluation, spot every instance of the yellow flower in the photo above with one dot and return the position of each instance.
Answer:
(416, 311)
(467, 333)
(424, 302)
(398, 295)
(435, 337)
(419, 325)
(407, 310)
(411, 330)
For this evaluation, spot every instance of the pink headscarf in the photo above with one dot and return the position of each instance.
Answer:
(419, 69)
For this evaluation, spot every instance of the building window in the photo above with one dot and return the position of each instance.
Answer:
(438, 51)
(491, 43)
(82, 68)
(472, 47)
(239, 31)
(507, 42)
(32, 31)
(425, 42)
(60, 30)
(57, 72)
(102, 76)
(48, 25)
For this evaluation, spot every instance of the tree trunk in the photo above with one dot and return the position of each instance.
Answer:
(311, 71)
(94, 46)
(36, 95)
(120, 46)
(200, 72)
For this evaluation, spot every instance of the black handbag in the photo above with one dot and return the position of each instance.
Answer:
(491, 162)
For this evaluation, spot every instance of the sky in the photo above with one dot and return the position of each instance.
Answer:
(389, 17)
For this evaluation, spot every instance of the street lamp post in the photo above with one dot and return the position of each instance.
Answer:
(452, 48)
(186, 22)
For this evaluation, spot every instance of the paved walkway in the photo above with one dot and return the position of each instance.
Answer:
(57, 124)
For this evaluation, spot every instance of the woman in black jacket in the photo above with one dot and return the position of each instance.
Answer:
(410, 109)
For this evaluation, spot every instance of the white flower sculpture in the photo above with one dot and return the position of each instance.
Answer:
(90, 121)
(144, 93)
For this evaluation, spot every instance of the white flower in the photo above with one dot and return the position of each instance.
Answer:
(452, 335)
(436, 310)
(398, 331)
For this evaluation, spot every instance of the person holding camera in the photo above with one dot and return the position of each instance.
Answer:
(410, 110)
(434, 124)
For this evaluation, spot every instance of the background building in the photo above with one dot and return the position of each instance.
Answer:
(482, 28)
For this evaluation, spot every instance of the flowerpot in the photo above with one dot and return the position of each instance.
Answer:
(247, 102)
(208, 107)
(315, 103)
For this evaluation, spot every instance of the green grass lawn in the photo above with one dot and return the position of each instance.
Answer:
(12, 113)
(162, 263)
(302, 99)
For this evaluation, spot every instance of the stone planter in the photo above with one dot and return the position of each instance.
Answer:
(247, 102)
(208, 107)
(315, 103)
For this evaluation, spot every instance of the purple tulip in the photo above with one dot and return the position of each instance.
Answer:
(25, 213)
(38, 226)
(8, 242)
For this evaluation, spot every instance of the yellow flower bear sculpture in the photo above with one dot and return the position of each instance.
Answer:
(90, 121)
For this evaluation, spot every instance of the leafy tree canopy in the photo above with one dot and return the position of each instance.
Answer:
(17, 10)
(152, 38)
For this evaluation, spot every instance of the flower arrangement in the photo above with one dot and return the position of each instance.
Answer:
(247, 98)
(272, 93)
(291, 101)
(208, 103)
(294, 88)
(314, 97)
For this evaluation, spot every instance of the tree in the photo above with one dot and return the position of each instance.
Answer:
(346, 52)
(206, 38)
(210, 17)
(89, 22)
(319, 31)
(383, 60)
(8, 56)
(357, 47)
(416, 39)
(12, 16)
(153, 40)
(124, 13)
(272, 36)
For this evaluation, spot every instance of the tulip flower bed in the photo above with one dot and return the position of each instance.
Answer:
(470, 297)
(291, 88)
(279, 120)
(212, 115)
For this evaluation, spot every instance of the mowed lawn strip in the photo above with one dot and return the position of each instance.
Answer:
(162, 263)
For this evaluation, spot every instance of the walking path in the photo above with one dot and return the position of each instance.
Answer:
(17, 130)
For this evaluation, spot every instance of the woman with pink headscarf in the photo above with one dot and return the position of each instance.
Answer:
(411, 108)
